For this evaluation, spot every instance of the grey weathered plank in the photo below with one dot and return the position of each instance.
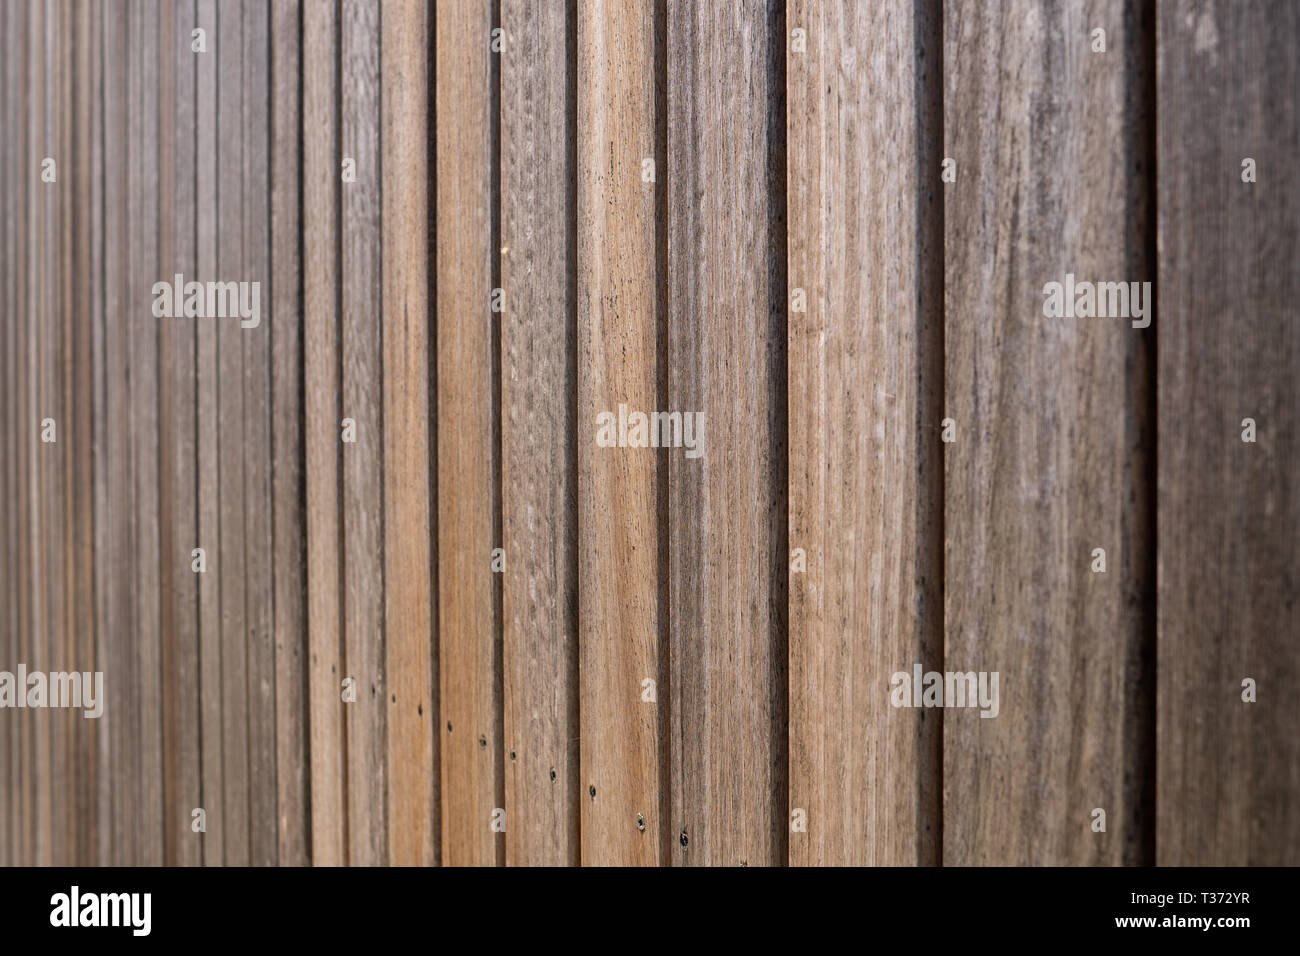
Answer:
(468, 626)
(413, 832)
(207, 151)
(178, 435)
(1229, 771)
(232, 438)
(865, 387)
(363, 511)
(321, 439)
(539, 467)
(289, 503)
(1051, 458)
(621, 633)
(726, 353)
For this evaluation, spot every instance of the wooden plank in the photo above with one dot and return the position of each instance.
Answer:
(103, 729)
(621, 629)
(322, 416)
(232, 439)
(467, 449)
(207, 151)
(27, 185)
(727, 521)
(865, 387)
(1229, 771)
(85, 821)
(1052, 429)
(539, 465)
(259, 547)
(363, 503)
(142, 224)
(413, 837)
(178, 435)
(8, 432)
(119, 611)
(291, 643)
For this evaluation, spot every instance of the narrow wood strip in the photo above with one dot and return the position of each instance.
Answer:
(408, 612)
(322, 417)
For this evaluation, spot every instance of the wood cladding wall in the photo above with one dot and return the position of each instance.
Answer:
(367, 583)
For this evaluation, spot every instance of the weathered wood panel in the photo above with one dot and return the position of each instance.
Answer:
(619, 553)
(413, 800)
(539, 469)
(1229, 773)
(726, 508)
(1052, 437)
(865, 392)
(293, 794)
(469, 626)
(322, 415)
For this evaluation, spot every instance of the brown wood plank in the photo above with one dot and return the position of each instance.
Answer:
(468, 621)
(8, 431)
(286, 316)
(259, 547)
(1229, 773)
(232, 438)
(322, 443)
(207, 152)
(413, 837)
(363, 480)
(178, 435)
(865, 387)
(1051, 458)
(85, 822)
(116, 564)
(539, 466)
(727, 520)
(619, 550)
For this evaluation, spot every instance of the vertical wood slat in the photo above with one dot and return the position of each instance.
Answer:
(1052, 439)
(538, 490)
(363, 503)
(8, 559)
(118, 621)
(259, 545)
(468, 622)
(289, 599)
(211, 705)
(727, 521)
(413, 837)
(865, 384)
(178, 433)
(232, 72)
(1229, 771)
(321, 416)
(617, 340)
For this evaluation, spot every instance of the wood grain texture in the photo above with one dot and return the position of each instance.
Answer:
(413, 837)
(322, 443)
(9, 233)
(259, 545)
(1229, 771)
(1052, 437)
(726, 350)
(539, 467)
(362, 396)
(469, 625)
(293, 794)
(866, 495)
(232, 566)
(178, 433)
(620, 624)
(211, 703)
